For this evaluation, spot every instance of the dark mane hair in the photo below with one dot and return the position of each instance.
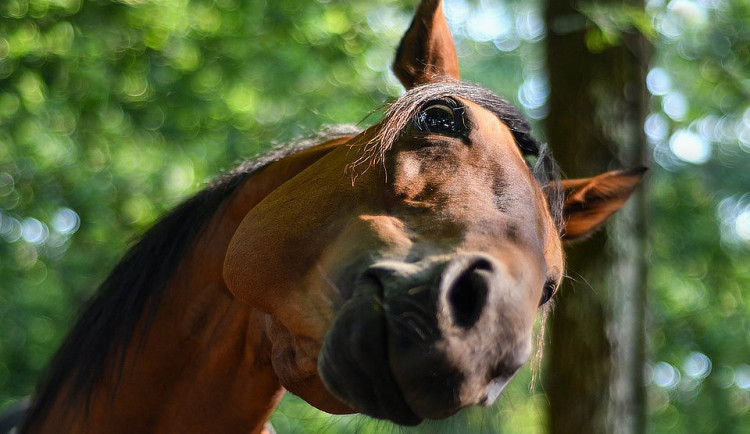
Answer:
(106, 325)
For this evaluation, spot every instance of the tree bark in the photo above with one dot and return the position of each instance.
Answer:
(597, 108)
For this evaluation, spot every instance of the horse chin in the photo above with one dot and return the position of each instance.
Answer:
(353, 362)
(363, 363)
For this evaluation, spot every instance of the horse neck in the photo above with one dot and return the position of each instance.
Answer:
(204, 364)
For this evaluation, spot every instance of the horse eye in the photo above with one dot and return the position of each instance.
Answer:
(549, 289)
(439, 118)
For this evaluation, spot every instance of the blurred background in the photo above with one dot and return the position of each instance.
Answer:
(112, 112)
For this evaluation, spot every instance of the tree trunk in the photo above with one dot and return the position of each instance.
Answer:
(597, 108)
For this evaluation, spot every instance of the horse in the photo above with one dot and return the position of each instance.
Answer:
(395, 272)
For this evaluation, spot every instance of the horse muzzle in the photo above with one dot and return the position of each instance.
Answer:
(423, 340)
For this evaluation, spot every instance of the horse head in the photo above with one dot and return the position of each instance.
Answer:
(402, 272)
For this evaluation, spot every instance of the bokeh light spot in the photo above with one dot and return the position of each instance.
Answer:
(675, 105)
(34, 231)
(689, 147)
(688, 12)
(485, 24)
(734, 217)
(742, 377)
(533, 92)
(66, 221)
(530, 26)
(742, 225)
(697, 365)
(656, 127)
(10, 228)
(666, 375)
(658, 81)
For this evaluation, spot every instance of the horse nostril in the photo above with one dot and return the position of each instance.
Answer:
(467, 294)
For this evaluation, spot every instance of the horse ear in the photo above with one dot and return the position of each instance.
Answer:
(426, 53)
(590, 201)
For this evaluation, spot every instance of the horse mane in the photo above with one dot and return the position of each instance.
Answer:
(107, 323)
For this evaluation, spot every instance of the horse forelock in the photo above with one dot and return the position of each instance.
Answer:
(377, 140)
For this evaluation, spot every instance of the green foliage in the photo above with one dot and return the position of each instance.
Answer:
(699, 133)
(111, 112)
(610, 22)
